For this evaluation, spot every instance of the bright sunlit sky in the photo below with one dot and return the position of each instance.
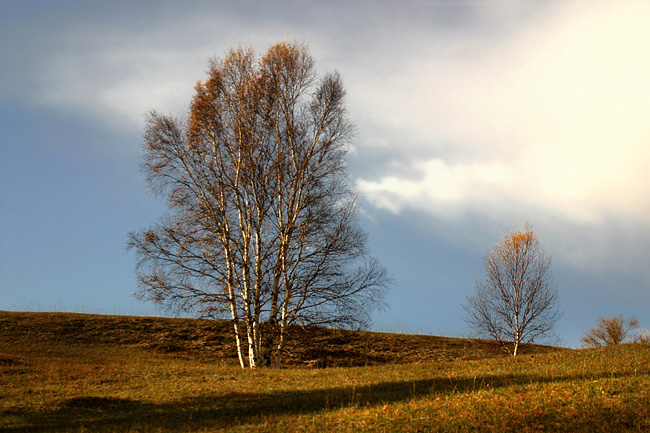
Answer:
(473, 118)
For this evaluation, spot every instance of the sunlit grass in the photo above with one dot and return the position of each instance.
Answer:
(75, 385)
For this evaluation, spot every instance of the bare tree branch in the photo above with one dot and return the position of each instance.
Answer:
(610, 331)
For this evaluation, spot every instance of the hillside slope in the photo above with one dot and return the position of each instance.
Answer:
(84, 373)
(208, 339)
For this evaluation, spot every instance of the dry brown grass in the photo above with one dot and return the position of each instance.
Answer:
(79, 373)
(208, 339)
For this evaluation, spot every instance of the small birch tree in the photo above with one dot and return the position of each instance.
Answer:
(517, 301)
(262, 226)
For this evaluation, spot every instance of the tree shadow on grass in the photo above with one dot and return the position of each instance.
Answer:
(238, 408)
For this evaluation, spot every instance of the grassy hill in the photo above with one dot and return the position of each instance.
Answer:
(73, 373)
(214, 340)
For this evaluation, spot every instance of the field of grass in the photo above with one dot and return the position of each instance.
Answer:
(85, 373)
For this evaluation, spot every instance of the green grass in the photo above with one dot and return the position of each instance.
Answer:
(83, 373)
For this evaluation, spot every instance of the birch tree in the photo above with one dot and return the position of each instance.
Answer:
(262, 225)
(517, 301)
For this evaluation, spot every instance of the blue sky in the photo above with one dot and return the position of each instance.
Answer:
(473, 118)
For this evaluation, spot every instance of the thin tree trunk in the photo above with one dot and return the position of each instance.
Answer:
(517, 340)
(240, 354)
(236, 325)
(279, 348)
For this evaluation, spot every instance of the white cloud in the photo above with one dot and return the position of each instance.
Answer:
(437, 183)
(117, 75)
(543, 108)
(553, 118)
(120, 81)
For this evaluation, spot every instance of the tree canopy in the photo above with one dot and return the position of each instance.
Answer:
(262, 225)
(517, 301)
